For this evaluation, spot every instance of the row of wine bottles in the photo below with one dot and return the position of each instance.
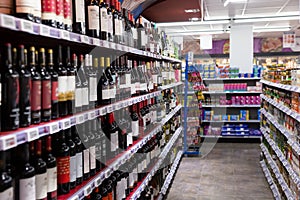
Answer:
(55, 164)
(36, 88)
(104, 19)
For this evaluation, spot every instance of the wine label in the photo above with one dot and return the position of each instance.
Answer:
(93, 88)
(129, 139)
(134, 33)
(104, 19)
(143, 86)
(36, 95)
(51, 179)
(48, 9)
(6, 7)
(73, 168)
(7, 194)
(110, 23)
(137, 86)
(67, 12)
(78, 97)
(85, 96)
(128, 80)
(24, 6)
(54, 91)
(37, 11)
(143, 38)
(93, 17)
(117, 26)
(121, 25)
(71, 88)
(79, 9)
(131, 179)
(92, 157)
(41, 186)
(155, 78)
(150, 85)
(27, 188)
(135, 128)
(154, 116)
(79, 165)
(46, 94)
(59, 11)
(133, 89)
(86, 161)
(63, 169)
(114, 141)
(62, 88)
(144, 122)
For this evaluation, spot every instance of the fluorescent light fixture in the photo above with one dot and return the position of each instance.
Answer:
(259, 30)
(192, 10)
(204, 32)
(208, 22)
(194, 19)
(266, 19)
(233, 1)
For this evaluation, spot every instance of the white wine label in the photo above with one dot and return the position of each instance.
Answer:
(85, 96)
(106, 94)
(79, 165)
(129, 139)
(114, 141)
(92, 157)
(93, 16)
(144, 121)
(117, 26)
(104, 20)
(52, 179)
(128, 80)
(93, 89)
(27, 188)
(86, 160)
(73, 168)
(137, 86)
(155, 78)
(41, 186)
(110, 23)
(143, 38)
(71, 85)
(62, 88)
(134, 33)
(7, 194)
(135, 128)
(150, 86)
(78, 97)
(37, 11)
(133, 89)
(79, 9)
(24, 6)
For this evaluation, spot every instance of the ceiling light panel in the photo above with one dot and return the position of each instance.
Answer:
(192, 10)
(226, 2)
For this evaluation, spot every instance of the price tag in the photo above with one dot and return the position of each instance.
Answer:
(26, 26)
(112, 45)
(109, 109)
(54, 127)
(65, 35)
(32, 134)
(79, 119)
(107, 173)
(84, 39)
(66, 124)
(105, 44)
(92, 115)
(98, 181)
(75, 198)
(7, 21)
(87, 190)
(44, 30)
(8, 142)
(103, 111)
(96, 42)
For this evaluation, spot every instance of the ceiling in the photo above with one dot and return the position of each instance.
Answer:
(273, 16)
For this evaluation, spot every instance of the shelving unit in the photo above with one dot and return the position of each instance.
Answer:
(231, 106)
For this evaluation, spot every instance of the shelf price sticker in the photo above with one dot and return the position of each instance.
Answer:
(87, 190)
(92, 115)
(109, 109)
(7, 21)
(96, 42)
(65, 35)
(44, 30)
(105, 44)
(74, 198)
(54, 127)
(103, 111)
(98, 181)
(32, 134)
(79, 119)
(85, 39)
(8, 142)
(65, 124)
(26, 26)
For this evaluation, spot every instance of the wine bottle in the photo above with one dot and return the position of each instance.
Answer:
(25, 172)
(25, 88)
(121, 23)
(79, 157)
(78, 89)
(51, 168)
(62, 85)
(109, 21)
(92, 147)
(99, 138)
(41, 172)
(111, 81)
(60, 14)
(84, 65)
(10, 93)
(67, 6)
(72, 147)
(6, 181)
(78, 13)
(92, 18)
(134, 31)
(141, 35)
(46, 87)
(71, 71)
(142, 123)
(24, 9)
(6, 7)
(49, 12)
(103, 91)
(54, 85)
(116, 24)
(86, 151)
(103, 20)
(63, 163)
(35, 95)
(134, 122)
(92, 78)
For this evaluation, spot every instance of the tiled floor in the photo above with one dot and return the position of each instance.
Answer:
(231, 171)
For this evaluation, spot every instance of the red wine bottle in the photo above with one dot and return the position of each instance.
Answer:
(67, 14)
(134, 122)
(25, 88)
(79, 157)
(78, 89)
(6, 187)
(78, 13)
(72, 147)
(60, 14)
(36, 89)
(92, 18)
(92, 78)
(54, 85)
(110, 34)
(82, 72)
(86, 151)
(24, 9)
(10, 93)
(103, 20)
(71, 71)
(49, 12)
(116, 24)
(46, 87)
(62, 85)
(92, 147)
(41, 172)
(51, 168)
(103, 91)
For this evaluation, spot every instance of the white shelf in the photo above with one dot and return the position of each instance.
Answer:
(231, 79)
(230, 106)
(162, 156)
(291, 88)
(277, 173)
(281, 157)
(231, 92)
(234, 137)
(124, 157)
(283, 130)
(164, 87)
(16, 24)
(238, 121)
(270, 180)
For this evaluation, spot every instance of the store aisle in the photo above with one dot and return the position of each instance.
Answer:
(230, 172)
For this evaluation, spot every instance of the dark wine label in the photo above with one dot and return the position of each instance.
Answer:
(54, 91)
(12, 100)
(36, 96)
(46, 94)
(63, 170)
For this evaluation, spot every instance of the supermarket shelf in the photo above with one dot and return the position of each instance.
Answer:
(16, 24)
(231, 79)
(135, 195)
(231, 92)
(283, 130)
(234, 137)
(230, 106)
(238, 121)
(84, 189)
(164, 87)
(170, 176)
(270, 180)
(277, 173)
(281, 157)
(282, 107)
(291, 88)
